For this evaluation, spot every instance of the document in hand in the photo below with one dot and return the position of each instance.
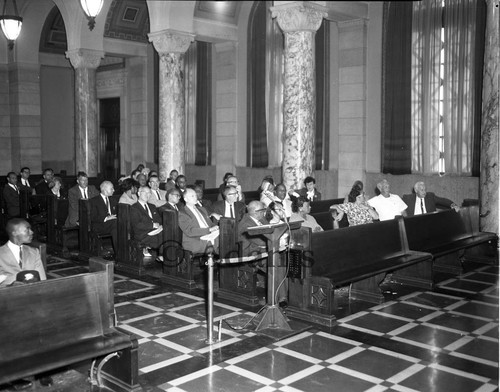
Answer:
(211, 236)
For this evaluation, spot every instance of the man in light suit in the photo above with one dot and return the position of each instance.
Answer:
(422, 202)
(11, 196)
(103, 212)
(144, 218)
(195, 223)
(158, 197)
(252, 244)
(15, 256)
(230, 207)
(82, 190)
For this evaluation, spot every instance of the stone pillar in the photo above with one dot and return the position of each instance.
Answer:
(299, 21)
(489, 124)
(85, 63)
(171, 46)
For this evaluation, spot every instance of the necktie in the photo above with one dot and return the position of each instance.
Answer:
(107, 206)
(85, 193)
(422, 206)
(21, 257)
(158, 194)
(232, 211)
(200, 217)
(146, 207)
(15, 187)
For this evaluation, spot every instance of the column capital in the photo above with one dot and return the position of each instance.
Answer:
(299, 16)
(85, 58)
(171, 41)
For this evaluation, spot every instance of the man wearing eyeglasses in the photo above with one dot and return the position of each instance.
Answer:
(173, 198)
(230, 207)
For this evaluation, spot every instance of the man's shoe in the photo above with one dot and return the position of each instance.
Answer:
(19, 385)
(45, 381)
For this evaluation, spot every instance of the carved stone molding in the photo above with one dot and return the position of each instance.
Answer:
(85, 58)
(171, 41)
(299, 16)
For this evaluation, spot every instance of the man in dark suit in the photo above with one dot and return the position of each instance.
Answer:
(42, 188)
(422, 202)
(252, 244)
(103, 212)
(173, 198)
(82, 190)
(229, 207)
(24, 182)
(11, 196)
(207, 204)
(145, 222)
(195, 223)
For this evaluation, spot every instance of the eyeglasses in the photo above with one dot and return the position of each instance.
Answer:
(232, 194)
(175, 194)
(261, 209)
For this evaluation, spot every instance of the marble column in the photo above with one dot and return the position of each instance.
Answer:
(85, 63)
(171, 46)
(299, 22)
(489, 124)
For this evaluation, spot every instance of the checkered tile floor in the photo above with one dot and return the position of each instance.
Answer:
(441, 340)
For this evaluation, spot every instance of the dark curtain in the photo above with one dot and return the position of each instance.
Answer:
(396, 88)
(203, 104)
(257, 153)
(479, 58)
(322, 140)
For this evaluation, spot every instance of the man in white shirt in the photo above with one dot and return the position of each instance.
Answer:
(387, 205)
(25, 182)
(82, 190)
(158, 196)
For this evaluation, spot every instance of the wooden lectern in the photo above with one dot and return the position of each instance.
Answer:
(272, 316)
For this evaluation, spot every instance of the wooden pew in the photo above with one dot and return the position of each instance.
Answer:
(324, 219)
(237, 282)
(129, 257)
(251, 196)
(447, 235)
(487, 251)
(324, 205)
(56, 323)
(59, 235)
(180, 267)
(211, 194)
(359, 256)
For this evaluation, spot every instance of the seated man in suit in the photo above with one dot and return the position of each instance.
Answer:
(82, 190)
(195, 223)
(201, 201)
(25, 182)
(252, 244)
(422, 202)
(15, 256)
(230, 207)
(11, 196)
(173, 198)
(158, 196)
(145, 222)
(232, 181)
(310, 191)
(172, 178)
(103, 212)
(42, 188)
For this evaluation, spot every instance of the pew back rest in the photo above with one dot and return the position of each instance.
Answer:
(53, 313)
(172, 236)
(428, 231)
(324, 205)
(124, 235)
(324, 219)
(228, 238)
(336, 251)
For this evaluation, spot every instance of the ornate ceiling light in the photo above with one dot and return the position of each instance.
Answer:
(11, 24)
(91, 9)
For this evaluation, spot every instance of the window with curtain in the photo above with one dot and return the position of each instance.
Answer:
(431, 117)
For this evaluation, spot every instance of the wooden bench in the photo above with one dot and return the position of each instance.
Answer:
(129, 257)
(58, 235)
(358, 256)
(56, 323)
(324, 219)
(180, 267)
(487, 251)
(324, 205)
(447, 235)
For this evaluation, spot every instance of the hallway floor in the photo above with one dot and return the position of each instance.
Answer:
(441, 340)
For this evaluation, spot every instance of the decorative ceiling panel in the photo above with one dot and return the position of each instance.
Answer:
(53, 37)
(128, 20)
(221, 11)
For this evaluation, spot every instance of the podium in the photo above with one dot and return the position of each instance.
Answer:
(272, 316)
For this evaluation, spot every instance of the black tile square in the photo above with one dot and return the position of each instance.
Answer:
(431, 379)
(193, 338)
(376, 322)
(168, 301)
(434, 300)
(130, 311)
(480, 348)
(199, 311)
(458, 322)
(151, 352)
(462, 284)
(406, 310)
(483, 277)
(434, 337)
(125, 286)
(479, 309)
(158, 324)
(331, 380)
(221, 381)
(320, 347)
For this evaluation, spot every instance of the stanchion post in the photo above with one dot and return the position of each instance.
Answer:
(210, 285)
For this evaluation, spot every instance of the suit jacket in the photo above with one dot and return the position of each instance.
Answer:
(207, 204)
(11, 201)
(219, 207)
(10, 267)
(99, 211)
(74, 195)
(316, 197)
(168, 206)
(250, 244)
(153, 199)
(140, 222)
(22, 186)
(42, 188)
(191, 230)
(431, 202)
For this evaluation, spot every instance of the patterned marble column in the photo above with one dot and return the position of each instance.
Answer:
(489, 124)
(171, 47)
(85, 63)
(299, 21)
